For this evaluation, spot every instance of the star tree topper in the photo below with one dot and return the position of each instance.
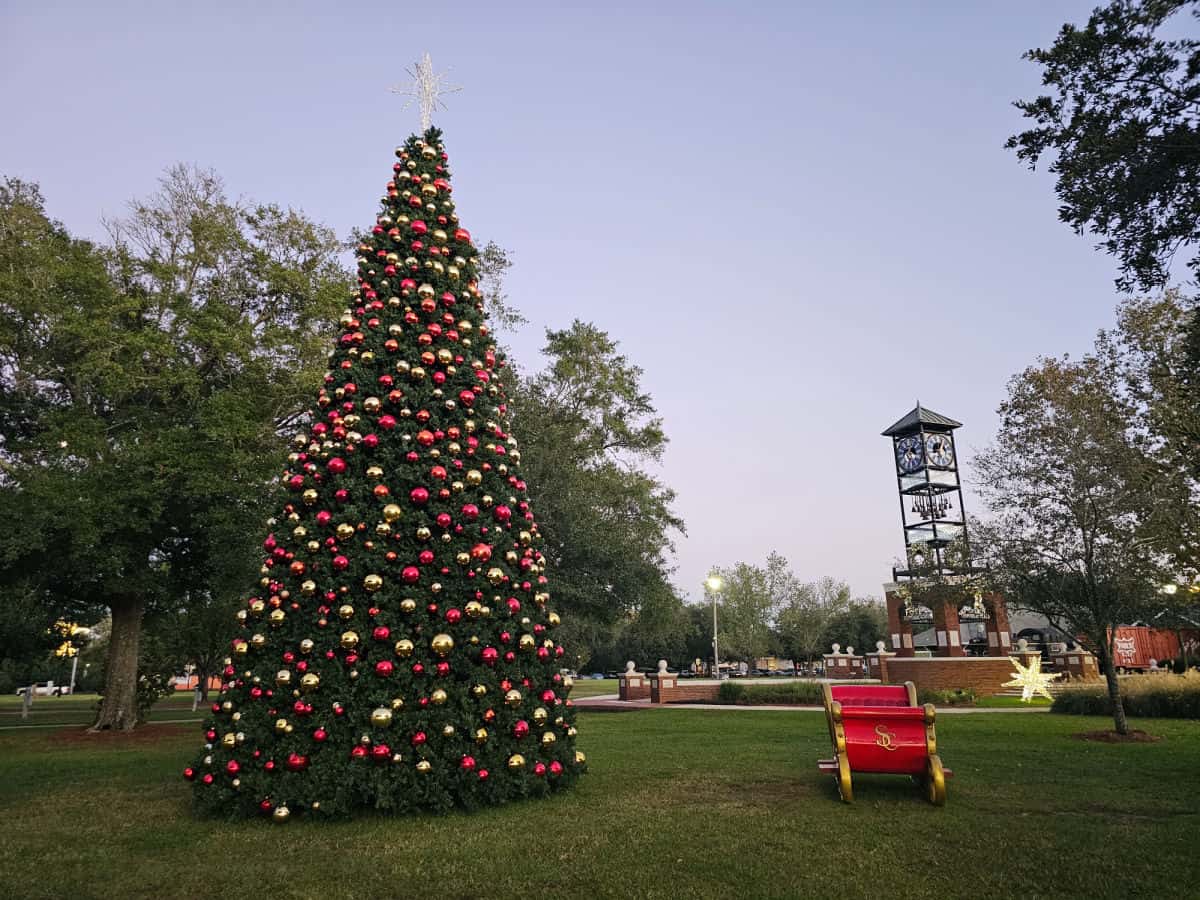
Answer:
(1031, 679)
(426, 90)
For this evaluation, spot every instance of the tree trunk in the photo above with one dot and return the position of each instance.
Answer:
(204, 675)
(1114, 694)
(118, 708)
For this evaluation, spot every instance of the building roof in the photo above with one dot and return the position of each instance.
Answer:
(921, 416)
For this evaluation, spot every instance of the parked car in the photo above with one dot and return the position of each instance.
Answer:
(49, 689)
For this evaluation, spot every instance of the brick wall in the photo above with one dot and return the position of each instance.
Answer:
(683, 693)
(985, 675)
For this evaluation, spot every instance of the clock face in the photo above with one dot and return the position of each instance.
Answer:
(939, 450)
(910, 454)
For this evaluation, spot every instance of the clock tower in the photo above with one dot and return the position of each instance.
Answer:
(936, 550)
(931, 507)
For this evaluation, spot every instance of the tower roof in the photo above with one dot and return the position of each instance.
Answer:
(921, 416)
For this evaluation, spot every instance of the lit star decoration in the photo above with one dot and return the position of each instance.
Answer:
(1031, 679)
(426, 90)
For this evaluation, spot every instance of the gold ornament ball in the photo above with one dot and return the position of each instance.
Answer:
(513, 697)
(258, 641)
(580, 759)
(276, 617)
(424, 767)
(345, 531)
(424, 534)
(448, 731)
(473, 609)
(526, 642)
(374, 472)
(349, 640)
(553, 619)
(516, 761)
(281, 726)
(283, 677)
(309, 682)
(479, 690)
(474, 477)
(397, 704)
(381, 717)
(372, 404)
(372, 583)
(308, 588)
(540, 715)
(404, 647)
(548, 738)
(442, 644)
(481, 735)
(257, 607)
(306, 645)
(281, 814)
(346, 611)
(392, 512)
(228, 740)
(495, 575)
(438, 697)
(408, 605)
(309, 497)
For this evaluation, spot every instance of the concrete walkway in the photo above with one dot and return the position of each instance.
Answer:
(613, 703)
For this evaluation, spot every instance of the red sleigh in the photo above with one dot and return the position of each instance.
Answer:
(879, 728)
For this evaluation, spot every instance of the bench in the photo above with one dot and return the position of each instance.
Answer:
(879, 728)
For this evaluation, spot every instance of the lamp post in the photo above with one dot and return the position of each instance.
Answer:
(714, 583)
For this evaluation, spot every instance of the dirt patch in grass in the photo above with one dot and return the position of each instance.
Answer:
(146, 736)
(1135, 736)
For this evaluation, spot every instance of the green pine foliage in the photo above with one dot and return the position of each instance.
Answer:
(400, 651)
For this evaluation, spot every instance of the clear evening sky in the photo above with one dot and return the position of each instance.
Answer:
(798, 218)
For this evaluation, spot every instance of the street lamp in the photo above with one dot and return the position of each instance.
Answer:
(714, 583)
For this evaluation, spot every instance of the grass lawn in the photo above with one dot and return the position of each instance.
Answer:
(586, 687)
(80, 709)
(678, 803)
(1009, 702)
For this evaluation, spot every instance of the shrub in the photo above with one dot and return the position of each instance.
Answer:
(794, 693)
(1150, 696)
(948, 697)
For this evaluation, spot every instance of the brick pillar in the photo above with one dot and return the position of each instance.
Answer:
(899, 630)
(946, 628)
(633, 686)
(999, 632)
(662, 686)
(877, 661)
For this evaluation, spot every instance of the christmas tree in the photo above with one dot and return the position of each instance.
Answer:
(399, 651)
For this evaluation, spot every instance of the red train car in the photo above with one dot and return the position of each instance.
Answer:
(1135, 645)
